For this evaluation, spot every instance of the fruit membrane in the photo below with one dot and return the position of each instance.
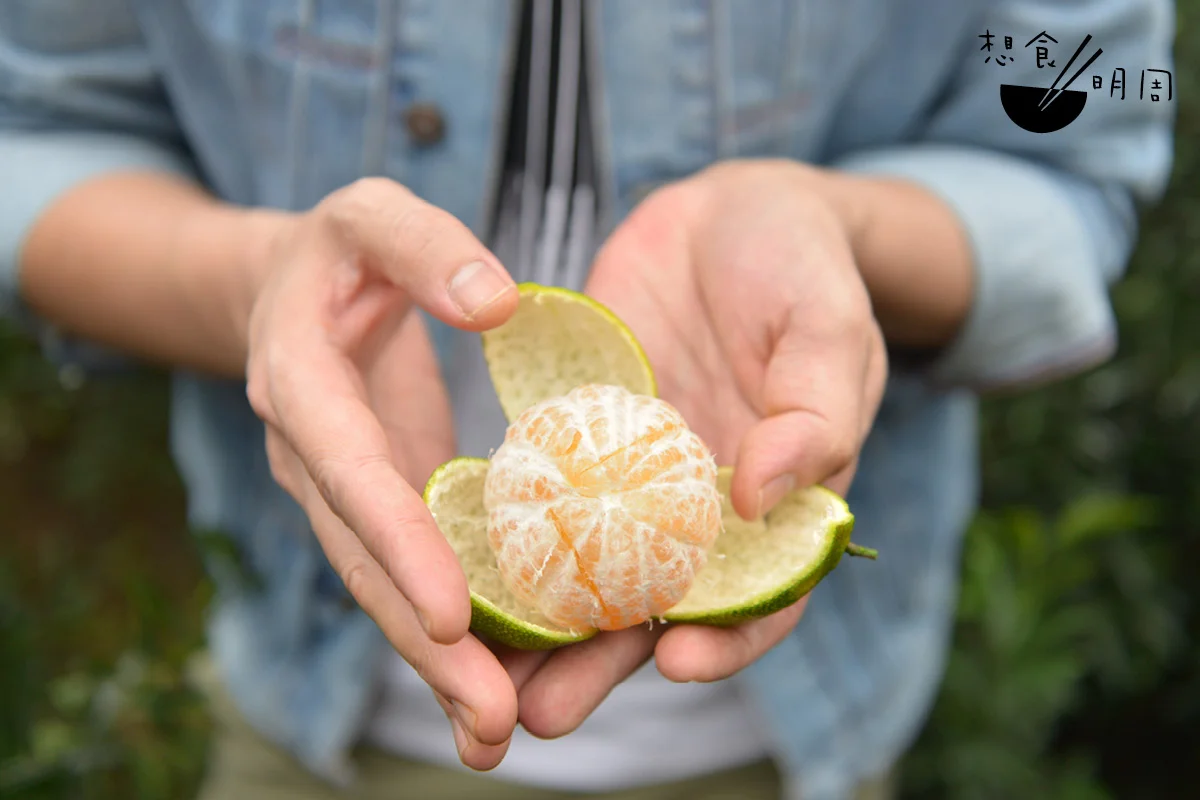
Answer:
(602, 507)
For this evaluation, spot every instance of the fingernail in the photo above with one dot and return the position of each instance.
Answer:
(773, 492)
(461, 742)
(476, 286)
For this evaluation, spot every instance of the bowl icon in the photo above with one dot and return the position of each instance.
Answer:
(1021, 104)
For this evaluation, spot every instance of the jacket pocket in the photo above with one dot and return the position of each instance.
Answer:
(303, 81)
(778, 66)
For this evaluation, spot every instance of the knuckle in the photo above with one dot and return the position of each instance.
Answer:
(844, 308)
(266, 362)
(847, 313)
(326, 470)
(356, 576)
(282, 476)
(279, 461)
(364, 198)
(259, 397)
(404, 525)
(369, 191)
(336, 474)
(368, 184)
(838, 438)
(843, 449)
(266, 367)
(875, 340)
(423, 660)
(416, 231)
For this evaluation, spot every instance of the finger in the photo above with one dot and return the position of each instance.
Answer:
(405, 391)
(428, 252)
(465, 672)
(812, 429)
(345, 450)
(575, 680)
(471, 751)
(286, 468)
(703, 654)
(797, 448)
(874, 383)
(840, 482)
(521, 664)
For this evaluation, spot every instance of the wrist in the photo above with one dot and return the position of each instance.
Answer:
(850, 199)
(225, 257)
(911, 252)
(260, 231)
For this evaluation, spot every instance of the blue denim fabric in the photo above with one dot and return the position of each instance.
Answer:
(278, 102)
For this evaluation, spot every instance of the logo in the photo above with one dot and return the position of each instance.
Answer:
(1046, 109)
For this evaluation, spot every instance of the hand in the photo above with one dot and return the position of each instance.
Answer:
(343, 374)
(741, 284)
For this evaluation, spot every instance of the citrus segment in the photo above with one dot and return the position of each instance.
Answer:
(761, 566)
(602, 506)
(454, 495)
(558, 340)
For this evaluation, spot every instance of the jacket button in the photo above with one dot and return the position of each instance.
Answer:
(425, 123)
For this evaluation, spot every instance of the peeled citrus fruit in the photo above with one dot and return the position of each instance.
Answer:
(601, 509)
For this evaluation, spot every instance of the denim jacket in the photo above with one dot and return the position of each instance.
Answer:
(278, 102)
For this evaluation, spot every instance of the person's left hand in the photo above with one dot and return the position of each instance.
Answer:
(740, 282)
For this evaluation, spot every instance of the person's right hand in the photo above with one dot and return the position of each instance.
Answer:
(342, 372)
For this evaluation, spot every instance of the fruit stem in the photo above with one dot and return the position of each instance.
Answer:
(853, 549)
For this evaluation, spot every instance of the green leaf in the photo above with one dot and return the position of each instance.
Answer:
(1100, 516)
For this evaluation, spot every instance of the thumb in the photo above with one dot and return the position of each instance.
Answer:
(424, 250)
(816, 396)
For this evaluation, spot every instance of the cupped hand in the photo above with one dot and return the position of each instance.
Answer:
(741, 284)
(342, 372)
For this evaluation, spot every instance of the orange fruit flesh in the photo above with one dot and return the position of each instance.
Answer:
(602, 507)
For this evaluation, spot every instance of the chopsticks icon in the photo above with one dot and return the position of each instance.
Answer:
(1052, 93)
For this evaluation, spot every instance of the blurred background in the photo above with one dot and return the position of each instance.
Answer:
(1076, 665)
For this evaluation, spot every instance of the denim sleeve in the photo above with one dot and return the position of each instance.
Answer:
(1051, 218)
(79, 97)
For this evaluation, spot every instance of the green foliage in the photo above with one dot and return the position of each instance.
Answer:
(1044, 605)
(137, 732)
(101, 596)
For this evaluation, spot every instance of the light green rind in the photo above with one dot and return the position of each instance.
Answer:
(556, 341)
(759, 567)
(454, 495)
